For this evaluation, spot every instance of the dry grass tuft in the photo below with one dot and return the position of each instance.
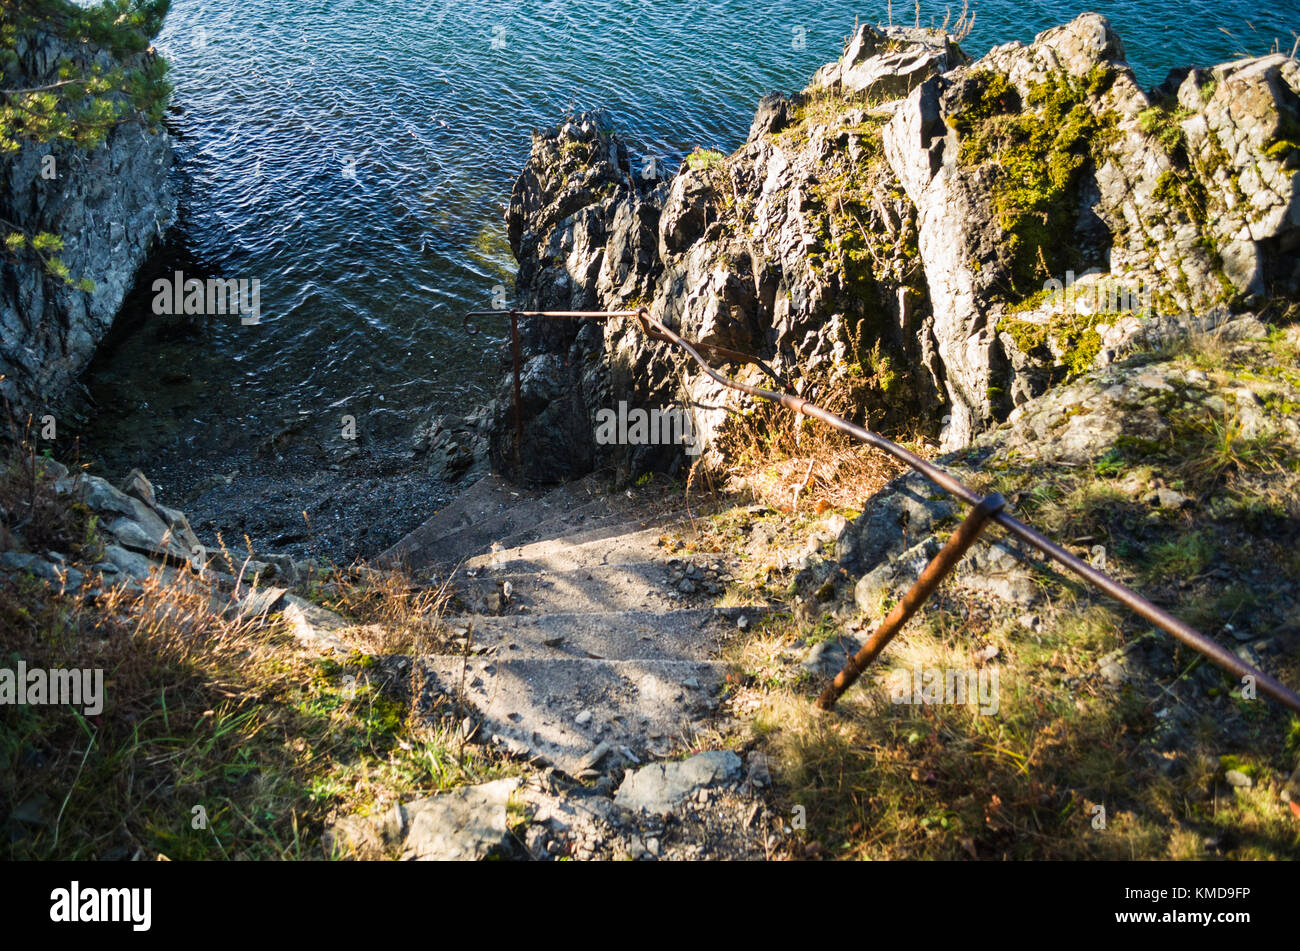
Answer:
(801, 465)
(219, 736)
(395, 615)
(882, 780)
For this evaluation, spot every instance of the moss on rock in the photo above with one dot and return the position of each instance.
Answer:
(1040, 144)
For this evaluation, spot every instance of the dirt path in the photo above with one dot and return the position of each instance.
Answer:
(585, 649)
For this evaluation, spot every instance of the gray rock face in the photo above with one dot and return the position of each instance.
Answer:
(140, 535)
(129, 563)
(677, 249)
(561, 225)
(911, 512)
(1160, 203)
(456, 447)
(151, 529)
(32, 564)
(884, 235)
(109, 205)
(1074, 425)
(139, 538)
(659, 787)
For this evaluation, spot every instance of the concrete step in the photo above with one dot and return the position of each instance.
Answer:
(631, 586)
(532, 706)
(488, 511)
(596, 513)
(575, 538)
(594, 649)
(697, 634)
(551, 517)
(616, 543)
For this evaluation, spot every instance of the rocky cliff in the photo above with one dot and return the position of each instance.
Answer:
(915, 236)
(108, 203)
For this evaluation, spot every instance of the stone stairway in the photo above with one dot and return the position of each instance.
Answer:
(581, 642)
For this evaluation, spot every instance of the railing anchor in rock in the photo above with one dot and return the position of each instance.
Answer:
(939, 568)
(516, 363)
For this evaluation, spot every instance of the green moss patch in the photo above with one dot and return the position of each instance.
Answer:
(1073, 338)
(1040, 145)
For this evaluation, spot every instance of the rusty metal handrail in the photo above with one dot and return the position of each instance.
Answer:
(985, 511)
(732, 355)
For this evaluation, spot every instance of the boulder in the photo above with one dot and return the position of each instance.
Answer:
(659, 787)
(29, 564)
(464, 824)
(456, 448)
(100, 495)
(314, 627)
(890, 63)
(129, 563)
(823, 661)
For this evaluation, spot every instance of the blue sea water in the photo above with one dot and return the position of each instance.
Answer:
(354, 156)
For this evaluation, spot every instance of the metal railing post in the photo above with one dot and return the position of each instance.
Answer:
(519, 410)
(939, 568)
